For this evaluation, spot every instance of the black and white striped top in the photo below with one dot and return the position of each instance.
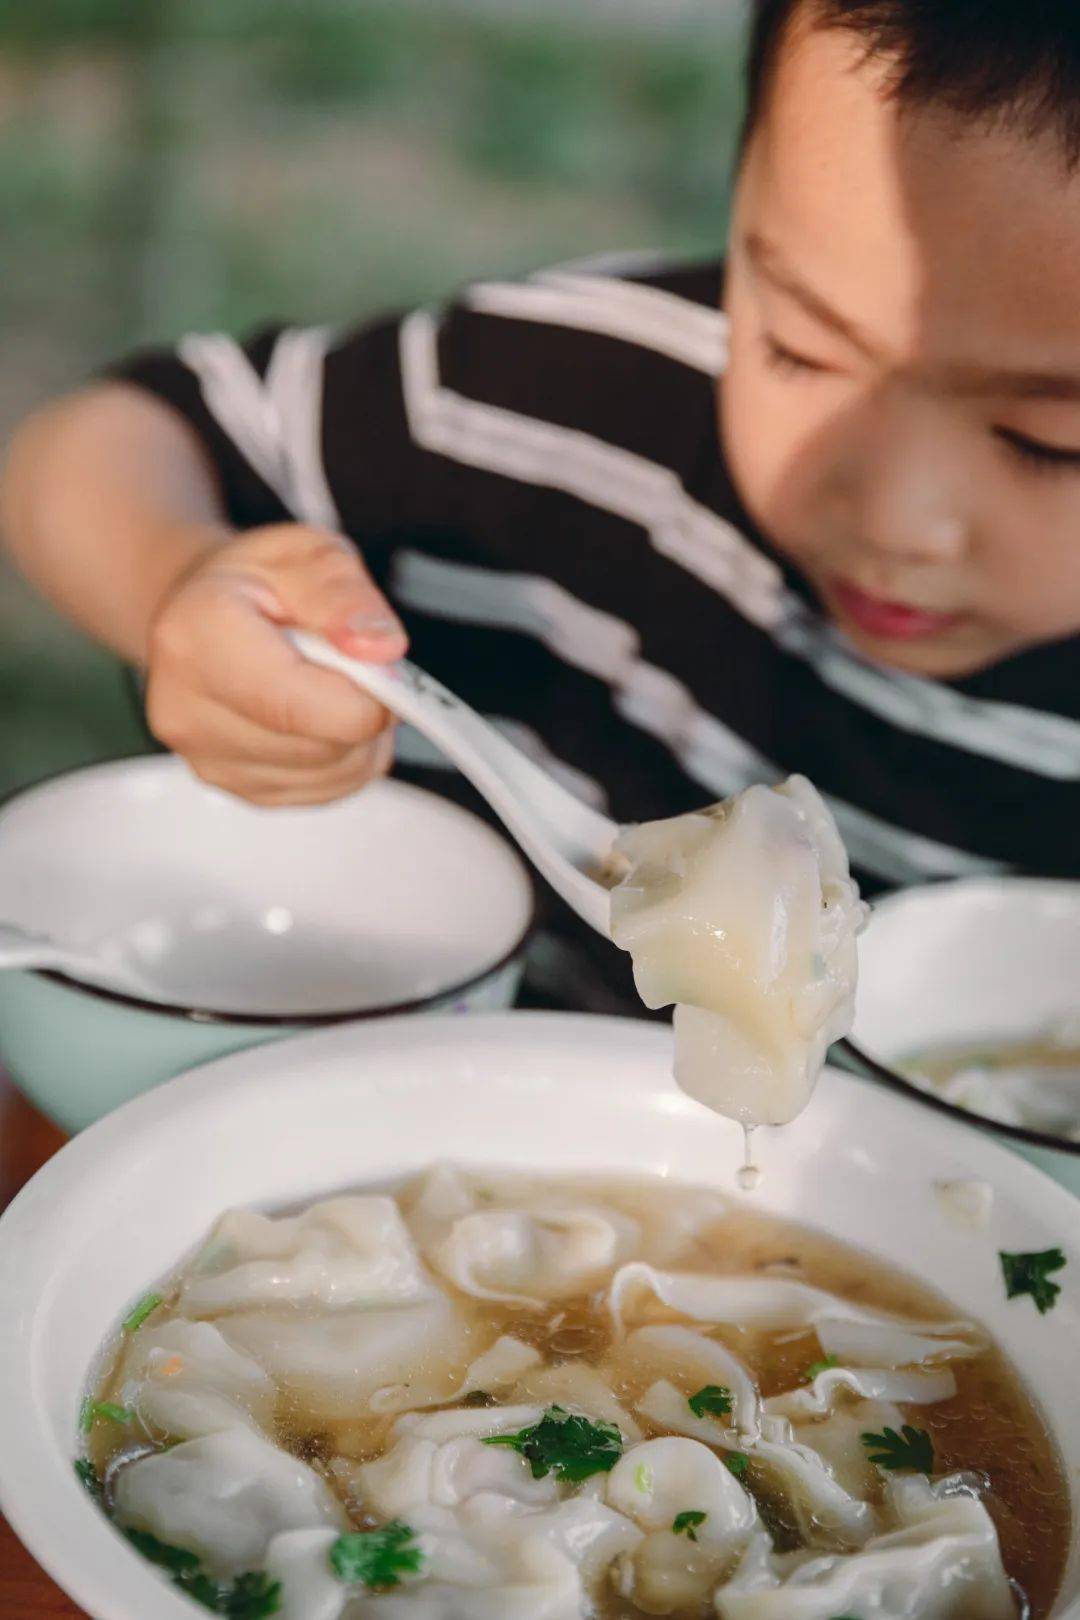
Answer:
(535, 476)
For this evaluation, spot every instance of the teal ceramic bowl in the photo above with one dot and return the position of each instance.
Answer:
(248, 924)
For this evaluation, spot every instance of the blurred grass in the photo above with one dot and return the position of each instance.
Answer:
(169, 164)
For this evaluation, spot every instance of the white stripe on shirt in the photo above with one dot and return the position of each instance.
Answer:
(275, 425)
(714, 551)
(604, 475)
(652, 699)
(583, 307)
(275, 422)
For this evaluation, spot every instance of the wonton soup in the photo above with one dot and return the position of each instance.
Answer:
(480, 1395)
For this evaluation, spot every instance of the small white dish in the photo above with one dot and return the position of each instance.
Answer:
(975, 960)
(124, 1201)
(244, 924)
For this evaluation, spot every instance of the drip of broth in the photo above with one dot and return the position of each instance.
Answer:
(991, 1425)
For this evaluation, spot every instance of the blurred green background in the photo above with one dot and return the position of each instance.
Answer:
(177, 164)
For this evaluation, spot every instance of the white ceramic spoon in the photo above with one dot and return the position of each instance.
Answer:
(23, 948)
(565, 840)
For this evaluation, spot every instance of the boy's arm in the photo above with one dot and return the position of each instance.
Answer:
(107, 499)
(111, 506)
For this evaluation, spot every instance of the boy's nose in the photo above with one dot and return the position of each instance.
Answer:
(905, 494)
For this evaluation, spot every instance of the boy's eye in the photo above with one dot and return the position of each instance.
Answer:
(781, 358)
(1034, 453)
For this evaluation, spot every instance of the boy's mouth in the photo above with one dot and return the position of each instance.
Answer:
(877, 616)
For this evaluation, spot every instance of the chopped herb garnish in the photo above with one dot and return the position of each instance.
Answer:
(177, 1560)
(87, 1476)
(146, 1307)
(712, 1401)
(826, 1364)
(250, 1597)
(92, 1410)
(643, 1478)
(911, 1448)
(1030, 1274)
(571, 1447)
(738, 1462)
(377, 1558)
(685, 1524)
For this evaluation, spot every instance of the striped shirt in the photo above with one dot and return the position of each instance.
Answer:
(535, 477)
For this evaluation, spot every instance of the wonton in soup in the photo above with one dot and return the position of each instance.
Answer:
(488, 1396)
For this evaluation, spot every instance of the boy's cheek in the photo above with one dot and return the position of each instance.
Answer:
(772, 454)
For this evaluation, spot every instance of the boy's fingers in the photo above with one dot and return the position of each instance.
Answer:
(328, 589)
(200, 725)
(255, 671)
(266, 785)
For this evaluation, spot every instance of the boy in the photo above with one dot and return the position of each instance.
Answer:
(833, 529)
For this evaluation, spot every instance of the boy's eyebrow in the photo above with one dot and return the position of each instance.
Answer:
(769, 263)
(964, 379)
(961, 378)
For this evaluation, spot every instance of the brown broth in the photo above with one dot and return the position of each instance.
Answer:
(991, 1425)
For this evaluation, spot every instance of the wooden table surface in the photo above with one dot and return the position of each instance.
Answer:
(26, 1141)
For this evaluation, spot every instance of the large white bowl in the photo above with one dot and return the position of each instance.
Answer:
(970, 961)
(247, 923)
(118, 1206)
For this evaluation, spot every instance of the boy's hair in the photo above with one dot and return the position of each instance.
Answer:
(999, 62)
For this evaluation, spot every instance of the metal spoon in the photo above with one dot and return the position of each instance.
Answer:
(566, 841)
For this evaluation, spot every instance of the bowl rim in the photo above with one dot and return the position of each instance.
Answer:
(92, 1151)
(875, 1068)
(194, 1014)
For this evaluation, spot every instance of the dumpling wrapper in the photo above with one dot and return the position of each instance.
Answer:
(819, 1502)
(941, 1562)
(493, 1559)
(745, 916)
(531, 1256)
(224, 1497)
(652, 1484)
(916, 1386)
(695, 1360)
(855, 1333)
(184, 1380)
(500, 1367)
(334, 1361)
(342, 1253)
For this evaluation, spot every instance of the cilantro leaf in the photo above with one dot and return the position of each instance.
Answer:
(177, 1560)
(912, 1448)
(685, 1524)
(87, 1476)
(377, 1558)
(135, 1318)
(714, 1400)
(253, 1596)
(1030, 1274)
(738, 1462)
(92, 1410)
(826, 1364)
(563, 1443)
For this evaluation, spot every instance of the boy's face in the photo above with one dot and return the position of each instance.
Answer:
(902, 404)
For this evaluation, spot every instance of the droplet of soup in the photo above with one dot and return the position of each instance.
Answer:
(748, 1175)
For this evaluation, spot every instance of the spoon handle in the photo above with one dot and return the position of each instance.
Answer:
(564, 838)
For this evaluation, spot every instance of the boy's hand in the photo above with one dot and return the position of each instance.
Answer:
(228, 692)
